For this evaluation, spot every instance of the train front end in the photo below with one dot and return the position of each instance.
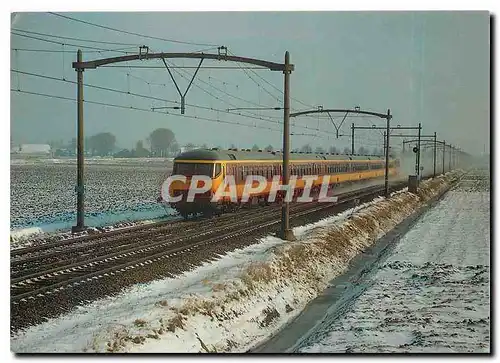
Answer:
(195, 177)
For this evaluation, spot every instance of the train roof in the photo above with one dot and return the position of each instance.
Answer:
(233, 154)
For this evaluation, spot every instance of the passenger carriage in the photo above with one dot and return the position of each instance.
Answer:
(217, 164)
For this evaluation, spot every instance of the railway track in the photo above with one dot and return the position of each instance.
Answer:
(45, 279)
(26, 262)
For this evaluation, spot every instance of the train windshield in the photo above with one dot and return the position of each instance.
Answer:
(189, 169)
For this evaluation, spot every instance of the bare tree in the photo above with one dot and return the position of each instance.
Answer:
(362, 151)
(319, 150)
(332, 150)
(306, 148)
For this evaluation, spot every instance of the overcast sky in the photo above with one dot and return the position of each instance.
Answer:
(432, 68)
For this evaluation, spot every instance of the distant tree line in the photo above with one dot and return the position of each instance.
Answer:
(161, 142)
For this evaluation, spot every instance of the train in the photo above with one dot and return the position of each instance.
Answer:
(217, 164)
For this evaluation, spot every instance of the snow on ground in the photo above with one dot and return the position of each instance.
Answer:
(88, 160)
(432, 294)
(78, 331)
(228, 305)
(43, 194)
(26, 237)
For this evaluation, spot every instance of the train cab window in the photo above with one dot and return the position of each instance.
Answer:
(218, 169)
(190, 169)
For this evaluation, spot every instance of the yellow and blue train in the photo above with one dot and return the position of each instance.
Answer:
(218, 163)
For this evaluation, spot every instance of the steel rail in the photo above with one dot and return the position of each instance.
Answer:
(100, 259)
(103, 245)
(103, 237)
(186, 248)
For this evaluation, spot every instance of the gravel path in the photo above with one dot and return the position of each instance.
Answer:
(433, 293)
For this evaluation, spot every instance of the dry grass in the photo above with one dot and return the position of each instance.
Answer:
(257, 273)
(270, 314)
(140, 322)
(176, 322)
(119, 339)
(218, 287)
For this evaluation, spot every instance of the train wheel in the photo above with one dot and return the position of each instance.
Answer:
(254, 201)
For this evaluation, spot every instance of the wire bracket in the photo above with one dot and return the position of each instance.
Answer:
(222, 52)
(183, 95)
(143, 51)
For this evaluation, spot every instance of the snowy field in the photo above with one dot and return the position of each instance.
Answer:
(432, 294)
(43, 192)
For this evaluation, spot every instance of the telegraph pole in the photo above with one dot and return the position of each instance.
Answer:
(435, 147)
(386, 153)
(80, 223)
(449, 159)
(444, 149)
(418, 152)
(352, 138)
(286, 232)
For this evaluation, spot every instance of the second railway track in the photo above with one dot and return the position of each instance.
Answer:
(41, 280)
